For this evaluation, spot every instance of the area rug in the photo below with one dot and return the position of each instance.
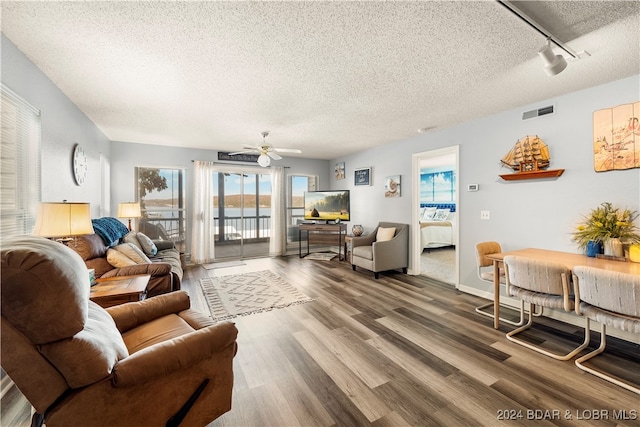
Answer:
(321, 256)
(223, 264)
(249, 293)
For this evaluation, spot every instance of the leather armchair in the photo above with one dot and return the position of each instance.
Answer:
(367, 252)
(155, 362)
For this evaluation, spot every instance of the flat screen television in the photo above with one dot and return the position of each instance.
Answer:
(327, 205)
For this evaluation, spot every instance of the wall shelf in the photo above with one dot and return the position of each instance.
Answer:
(517, 176)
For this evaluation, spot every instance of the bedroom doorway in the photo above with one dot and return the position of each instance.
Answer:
(435, 213)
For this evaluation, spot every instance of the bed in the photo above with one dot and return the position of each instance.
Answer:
(437, 225)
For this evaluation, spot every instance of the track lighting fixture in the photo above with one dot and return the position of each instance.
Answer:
(553, 64)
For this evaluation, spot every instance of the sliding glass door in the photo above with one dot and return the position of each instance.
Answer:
(242, 212)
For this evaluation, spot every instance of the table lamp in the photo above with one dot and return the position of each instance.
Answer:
(62, 221)
(129, 210)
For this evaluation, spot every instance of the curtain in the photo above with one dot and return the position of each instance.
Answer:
(278, 240)
(202, 238)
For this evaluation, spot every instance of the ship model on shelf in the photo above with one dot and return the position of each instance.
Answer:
(529, 158)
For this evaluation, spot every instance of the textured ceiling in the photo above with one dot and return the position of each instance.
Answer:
(330, 78)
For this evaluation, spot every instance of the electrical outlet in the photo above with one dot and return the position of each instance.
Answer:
(485, 215)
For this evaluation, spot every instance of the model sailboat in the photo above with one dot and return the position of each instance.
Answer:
(529, 157)
(527, 149)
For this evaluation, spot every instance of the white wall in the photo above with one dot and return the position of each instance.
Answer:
(125, 156)
(537, 213)
(63, 126)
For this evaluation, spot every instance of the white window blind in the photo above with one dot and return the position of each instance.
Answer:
(19, 165)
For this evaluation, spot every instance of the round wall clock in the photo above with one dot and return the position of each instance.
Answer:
(79, 164)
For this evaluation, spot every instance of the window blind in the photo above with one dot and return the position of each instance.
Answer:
(19, 164)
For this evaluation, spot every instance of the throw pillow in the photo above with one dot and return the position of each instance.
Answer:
(148, 246)
(132, 238)
(441, 214)
(385, 234)
(118, 259)
(132, 252)
(428, 213)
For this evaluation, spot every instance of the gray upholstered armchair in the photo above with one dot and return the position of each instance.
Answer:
(377, 252)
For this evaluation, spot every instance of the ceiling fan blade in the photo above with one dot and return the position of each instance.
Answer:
(274, 156)
(288, 150)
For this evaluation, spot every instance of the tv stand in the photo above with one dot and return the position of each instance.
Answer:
(322, 234)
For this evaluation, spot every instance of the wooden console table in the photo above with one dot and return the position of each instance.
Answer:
(119, 290)
(333, 234)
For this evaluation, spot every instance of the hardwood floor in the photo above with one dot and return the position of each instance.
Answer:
(405, 350)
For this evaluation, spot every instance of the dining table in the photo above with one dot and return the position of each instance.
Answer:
(570, 260)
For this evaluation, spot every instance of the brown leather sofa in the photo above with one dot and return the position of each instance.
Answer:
(165, 270)
(150, 363)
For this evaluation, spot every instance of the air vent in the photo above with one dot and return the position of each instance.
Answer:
(537, 113)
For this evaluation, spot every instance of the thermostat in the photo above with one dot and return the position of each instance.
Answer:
(473, 187)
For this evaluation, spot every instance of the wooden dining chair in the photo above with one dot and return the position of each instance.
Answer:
(612, 299)
(540, 283)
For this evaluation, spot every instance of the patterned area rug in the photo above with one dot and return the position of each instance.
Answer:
(249, 293)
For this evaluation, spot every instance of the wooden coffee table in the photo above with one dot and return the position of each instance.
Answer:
(119, 290)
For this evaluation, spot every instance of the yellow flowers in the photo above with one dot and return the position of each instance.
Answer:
(606, 222)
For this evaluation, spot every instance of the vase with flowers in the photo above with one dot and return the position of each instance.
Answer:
(610, 226)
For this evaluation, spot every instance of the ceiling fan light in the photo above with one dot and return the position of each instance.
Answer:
(264, 160)
(554, 64)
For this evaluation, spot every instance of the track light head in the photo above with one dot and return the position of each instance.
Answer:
(554, 64)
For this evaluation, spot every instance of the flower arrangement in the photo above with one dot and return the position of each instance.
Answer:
(606, 222)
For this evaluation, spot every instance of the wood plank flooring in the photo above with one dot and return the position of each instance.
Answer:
(403, 351)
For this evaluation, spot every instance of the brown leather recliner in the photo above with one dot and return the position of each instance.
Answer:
(156, 362)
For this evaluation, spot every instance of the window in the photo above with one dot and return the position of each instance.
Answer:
(20, 165)
(438, 187)
(161, 192)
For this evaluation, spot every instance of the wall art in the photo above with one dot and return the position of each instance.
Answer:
(362, 176)
(392, 186)
(339, 170)
(616, 138)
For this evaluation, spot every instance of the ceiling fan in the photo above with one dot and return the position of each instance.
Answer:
(266, 151)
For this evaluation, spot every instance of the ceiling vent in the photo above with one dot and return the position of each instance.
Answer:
(537, 112)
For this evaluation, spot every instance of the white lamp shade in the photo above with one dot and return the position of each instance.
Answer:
(264, 160)
(554, 64)
(129, 210)
(63, 220)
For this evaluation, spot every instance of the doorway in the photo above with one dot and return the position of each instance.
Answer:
(242, 213)
(435, 214)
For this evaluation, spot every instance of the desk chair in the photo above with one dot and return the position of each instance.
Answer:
(542, 283)
(610, 298)
(485, 273)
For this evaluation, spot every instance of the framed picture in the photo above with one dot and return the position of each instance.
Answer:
(529, 166)
(339, 170)
(362, 176)
(392, 186)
